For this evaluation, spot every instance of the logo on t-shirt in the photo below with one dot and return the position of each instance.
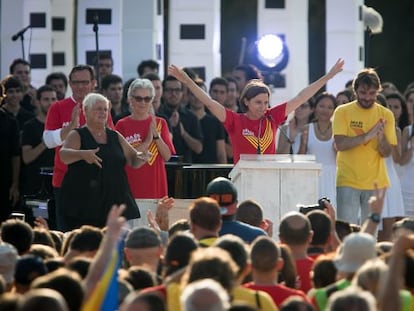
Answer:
(134, 140)
(356, 124)
(247, 132)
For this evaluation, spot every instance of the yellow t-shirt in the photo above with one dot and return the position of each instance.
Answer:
(257, 299)
(362, 165)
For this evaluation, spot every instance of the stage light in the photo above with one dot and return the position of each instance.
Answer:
(271, 52)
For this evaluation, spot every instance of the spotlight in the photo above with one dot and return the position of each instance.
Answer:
(272, 52)
(270, 55)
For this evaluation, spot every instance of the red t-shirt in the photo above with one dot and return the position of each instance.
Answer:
(59, 116)
(150, 180)
(303, 268)
(243, 131)
(279, 293)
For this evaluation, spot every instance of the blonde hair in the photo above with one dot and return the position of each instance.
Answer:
(370, 274)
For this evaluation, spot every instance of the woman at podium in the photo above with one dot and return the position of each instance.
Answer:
(254, 131)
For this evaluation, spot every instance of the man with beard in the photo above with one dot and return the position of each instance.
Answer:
(364, 132)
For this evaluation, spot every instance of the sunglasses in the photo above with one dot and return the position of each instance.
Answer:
(140, 99)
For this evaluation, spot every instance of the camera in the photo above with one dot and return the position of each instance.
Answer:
(304, 209)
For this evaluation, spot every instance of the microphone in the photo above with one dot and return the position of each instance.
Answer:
(20, 33)
(259, 151)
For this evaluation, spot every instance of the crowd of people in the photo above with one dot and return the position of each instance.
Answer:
(108, 143)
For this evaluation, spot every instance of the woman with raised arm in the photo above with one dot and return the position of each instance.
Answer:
(254, 131)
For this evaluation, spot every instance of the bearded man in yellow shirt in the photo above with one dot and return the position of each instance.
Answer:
(364, 133)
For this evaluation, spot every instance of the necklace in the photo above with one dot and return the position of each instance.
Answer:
(323, 133)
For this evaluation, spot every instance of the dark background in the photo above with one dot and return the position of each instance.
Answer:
(391, 52)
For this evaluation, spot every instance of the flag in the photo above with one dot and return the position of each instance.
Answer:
(105, 295)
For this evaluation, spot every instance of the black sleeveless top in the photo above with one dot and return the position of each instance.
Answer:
(88, 192)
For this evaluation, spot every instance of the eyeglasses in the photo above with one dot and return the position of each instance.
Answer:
(80, 82)
(140, 99)
(169, 90)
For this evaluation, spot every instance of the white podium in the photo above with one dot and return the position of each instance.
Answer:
(277, 182)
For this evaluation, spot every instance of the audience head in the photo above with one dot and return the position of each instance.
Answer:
(8, 260)
(205, 216)
(21, 68)
(141, 91)
(370, 274)
(59, 82)
(178, 253)
(212, 262)
(295, 229)
(82, 81)
(143, 301)
(351, 298)
(18, 233)
(105, 65)
(225, 193)
(13, 90)
(218, 90)
(181, 225)
(205, 295)
(157, 83)
(147, 66)
(403, 226)
(43, 251)
(396, 103)
(143, 248)
(46, 96)
(140, 277)
(345, 96)
(112, 88)
(321, 227)
(296, 303)
(342, 228)
(323, 271)
(265, 255)
(43, 299)
(244, 73)
(67, 283)
(250, 212)
(87, 240)
(28, 268)
(237, 249)
(80, 265)
(173, 92)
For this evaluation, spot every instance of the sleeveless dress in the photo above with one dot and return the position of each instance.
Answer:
(324, 154)
(393, 202)
(407, 185)
(88, 192)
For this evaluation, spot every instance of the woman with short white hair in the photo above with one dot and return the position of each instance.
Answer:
(96, 156)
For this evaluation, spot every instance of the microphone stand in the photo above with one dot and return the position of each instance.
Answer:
(95, 30)
(20, 35)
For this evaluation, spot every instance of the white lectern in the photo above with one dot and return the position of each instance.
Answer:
(277, 182)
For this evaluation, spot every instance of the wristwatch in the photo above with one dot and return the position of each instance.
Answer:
(156, 137)
(375, 217)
